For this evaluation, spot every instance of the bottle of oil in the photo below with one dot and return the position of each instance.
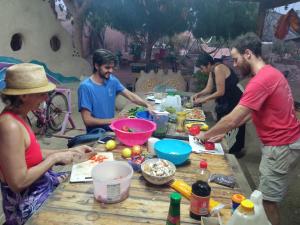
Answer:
(174, 209)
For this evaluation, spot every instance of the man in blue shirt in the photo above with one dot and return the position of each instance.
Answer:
(97, 94)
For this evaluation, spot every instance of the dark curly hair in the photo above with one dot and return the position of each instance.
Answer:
(204, 59)
(101, 57)
(248, 41)
(11, 100)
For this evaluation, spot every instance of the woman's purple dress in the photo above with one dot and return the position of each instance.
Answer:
(18, 207)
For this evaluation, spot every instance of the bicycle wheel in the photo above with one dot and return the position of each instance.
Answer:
(56, 111)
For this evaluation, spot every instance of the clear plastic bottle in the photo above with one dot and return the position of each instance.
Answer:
(204, 173)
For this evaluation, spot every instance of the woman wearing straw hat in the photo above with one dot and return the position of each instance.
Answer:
(25, 171)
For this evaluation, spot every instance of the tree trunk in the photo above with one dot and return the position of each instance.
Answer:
(77, 10)
(149, 45)
(77, 35)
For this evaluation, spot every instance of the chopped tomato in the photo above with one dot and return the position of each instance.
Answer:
(98, 158)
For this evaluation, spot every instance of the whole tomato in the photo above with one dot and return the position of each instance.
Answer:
(209, 145)
(194, 130)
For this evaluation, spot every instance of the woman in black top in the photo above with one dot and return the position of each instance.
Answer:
(221, 87)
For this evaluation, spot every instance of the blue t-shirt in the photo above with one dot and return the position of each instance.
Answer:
(99, 99)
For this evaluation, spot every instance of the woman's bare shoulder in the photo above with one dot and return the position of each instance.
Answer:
(222, 68)
(8, 124)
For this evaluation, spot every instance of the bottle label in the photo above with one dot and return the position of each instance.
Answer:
(199, 205)
(174, 220)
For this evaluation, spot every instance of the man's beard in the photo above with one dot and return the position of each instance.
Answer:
(245, 69)
(102, 76)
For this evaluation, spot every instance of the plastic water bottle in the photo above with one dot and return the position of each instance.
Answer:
(203, 174)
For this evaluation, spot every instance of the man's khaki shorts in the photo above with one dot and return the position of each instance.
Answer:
(274, 168)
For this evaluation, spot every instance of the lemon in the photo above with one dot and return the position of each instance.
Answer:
(204, 127)
(126, 152)
(110, 145)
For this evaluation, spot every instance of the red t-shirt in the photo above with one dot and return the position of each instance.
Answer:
(269, 95)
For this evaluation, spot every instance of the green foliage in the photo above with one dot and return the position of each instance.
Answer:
(136, 50)
(153, 17)
(202, 79)
(222, 18)
(146, 20)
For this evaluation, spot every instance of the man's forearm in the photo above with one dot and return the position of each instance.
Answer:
(223, 126)
(139, 101)
(97, 122)
(238, 116)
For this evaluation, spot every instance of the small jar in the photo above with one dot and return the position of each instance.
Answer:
(181, 116)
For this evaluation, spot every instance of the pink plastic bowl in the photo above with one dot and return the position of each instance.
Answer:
(143, 129)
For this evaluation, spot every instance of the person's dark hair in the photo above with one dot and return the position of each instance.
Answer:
(11, 100)
(101, 57)
(204, 59)
(248, 41)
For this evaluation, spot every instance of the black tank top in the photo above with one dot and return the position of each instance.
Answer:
(232, 93)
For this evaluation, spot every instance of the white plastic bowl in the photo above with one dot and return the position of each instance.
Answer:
(111, 181)
(157, 180)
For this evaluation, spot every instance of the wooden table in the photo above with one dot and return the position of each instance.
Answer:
(74, 204)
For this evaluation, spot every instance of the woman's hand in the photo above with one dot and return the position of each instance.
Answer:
(65, 158)
(195, 96)
(199, 101)
(84, 153)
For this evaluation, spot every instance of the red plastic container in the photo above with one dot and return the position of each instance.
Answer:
(142, 130)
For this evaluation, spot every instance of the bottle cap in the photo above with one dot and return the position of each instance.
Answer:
(247, 205)
(238, 198)
(175, 197)
(203, 164)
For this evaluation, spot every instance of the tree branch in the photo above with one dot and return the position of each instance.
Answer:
(70, 6)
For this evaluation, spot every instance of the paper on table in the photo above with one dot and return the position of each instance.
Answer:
(199, 148)
(81, 172)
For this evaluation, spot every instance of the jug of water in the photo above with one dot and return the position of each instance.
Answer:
(250, 212)
(172, 101)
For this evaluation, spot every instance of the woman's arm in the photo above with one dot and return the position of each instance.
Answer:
(206, 90)
(12, 157)
(85, 150)
(221, 72)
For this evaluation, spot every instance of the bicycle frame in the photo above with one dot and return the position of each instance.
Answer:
(43, 120)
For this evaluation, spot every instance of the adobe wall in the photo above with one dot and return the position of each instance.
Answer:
(36, 23)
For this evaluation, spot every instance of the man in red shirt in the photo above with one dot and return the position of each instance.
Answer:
(269, 102)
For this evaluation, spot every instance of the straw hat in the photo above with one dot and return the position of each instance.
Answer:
(26, 78)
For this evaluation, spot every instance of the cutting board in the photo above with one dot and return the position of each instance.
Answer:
(81, 172)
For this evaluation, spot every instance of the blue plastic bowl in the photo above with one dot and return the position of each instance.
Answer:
(173, 150)
(144, 115)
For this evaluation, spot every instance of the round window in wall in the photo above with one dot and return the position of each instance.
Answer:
(16, 42)
(55, 43)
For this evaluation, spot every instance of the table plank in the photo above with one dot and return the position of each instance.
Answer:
(147, 203)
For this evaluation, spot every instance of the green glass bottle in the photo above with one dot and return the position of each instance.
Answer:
(174, 209)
